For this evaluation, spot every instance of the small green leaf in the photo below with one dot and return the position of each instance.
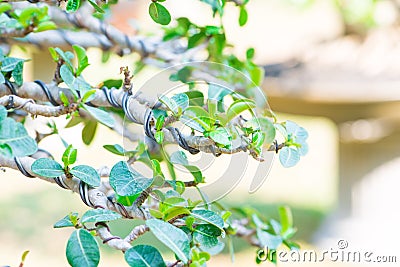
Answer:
(45, 26)
(289, 156)
(4, 7)
(264, 125)
(286, 218)
(112, 83)
(257, 75)
(196, 39)
(159, 136)
(88, 131)
(83, 60)
(73, 5)
(47, 168)
(268, 240)
(144, 256)
(86, 174)
(250, 53)
(102, 116)
(127, 200)
(160, 122)
(126, 181)
(82, 249)
(196, 98)
(66, 221)
(89, 96)
(17, 73)
(171, 236)
(95, 6)
(69, 156)
(159, 14)
(243, 16)
(115, 149)
(64, 99)
(100, 215)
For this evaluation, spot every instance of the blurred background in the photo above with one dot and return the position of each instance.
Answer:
(331, 65)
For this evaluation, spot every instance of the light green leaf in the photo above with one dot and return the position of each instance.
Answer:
(102, 116)
(82, 249)
(286, 218)
(221, 136)
(10, 63)
(66, 221)
(96, 7)
(196, 98)
(100, 215)
(89, 131)
(3, 113)
(289, 156)
(86, 174)
(2, 79)
(45, 26)
(5, 7)
(47, 168)
(268, 240)
(179, 157)
(171, 236)
(127, 182)
(265, 125)
(83, 60)
(69, 156)
(159, 14)
(238, 107)
(181, 100)
(159, 136)
(144, 256)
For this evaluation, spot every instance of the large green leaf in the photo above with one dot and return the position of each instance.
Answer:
(209, 216)
(126, 181)
(86, 174)
(82, 249)
(100, 215)
(221, 136)
(144, 256)
(238, 107)
(171, 236)
(196, 98)
(14, 135)
(47, 168)
(206, 235)
(102, 116)
(179, 157)
(89, 131)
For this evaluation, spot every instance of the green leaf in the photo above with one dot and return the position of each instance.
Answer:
(69, 156)
(47, 168)
(64, 99)
(45, 26)
(159, 14)
(68, 77)
(73, 5)
(112, 83)
(159, 136)
(66, 221)
(160, 122)
(221, 136)
(6, 151)
(102, 116)
(182, 75)
(238, 107)
(196, 39)
(144, 256)
(115, 149)
(2, 79)
(88, 131)
(3, 113)
(89, 96)
(17, 73)
(83, 60)
(286, 218)
(217, 92)
(196, 98)
(86, 174)
(250, 53)
(4, 7)
(289, 156)
(179, 157)
(175, 211)
(127, 200)
(206, 235)
(96, 7)
(264, 125)
(197, 115)
(82, 249)
(181, 100)
(126, 181)
(243, 16)
(268, 240)
(171, 236)
(216, 5)
(10, 63)
(209, 216)
(171, 105)
(257, 75)
(100, 215)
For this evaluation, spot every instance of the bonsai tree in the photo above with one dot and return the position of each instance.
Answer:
(217, 109)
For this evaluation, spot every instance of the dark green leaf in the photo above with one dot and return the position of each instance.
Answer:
(47, 168)
(73, 5)
(144, 256)
(102, 116)
(171, 236)
(250, 53)
(69, 156)
(126, 181)
(159, 14)
(196, 39)
(112, 83)
(82, 249)
(196, 98)
(100, 215)
(86, 174)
